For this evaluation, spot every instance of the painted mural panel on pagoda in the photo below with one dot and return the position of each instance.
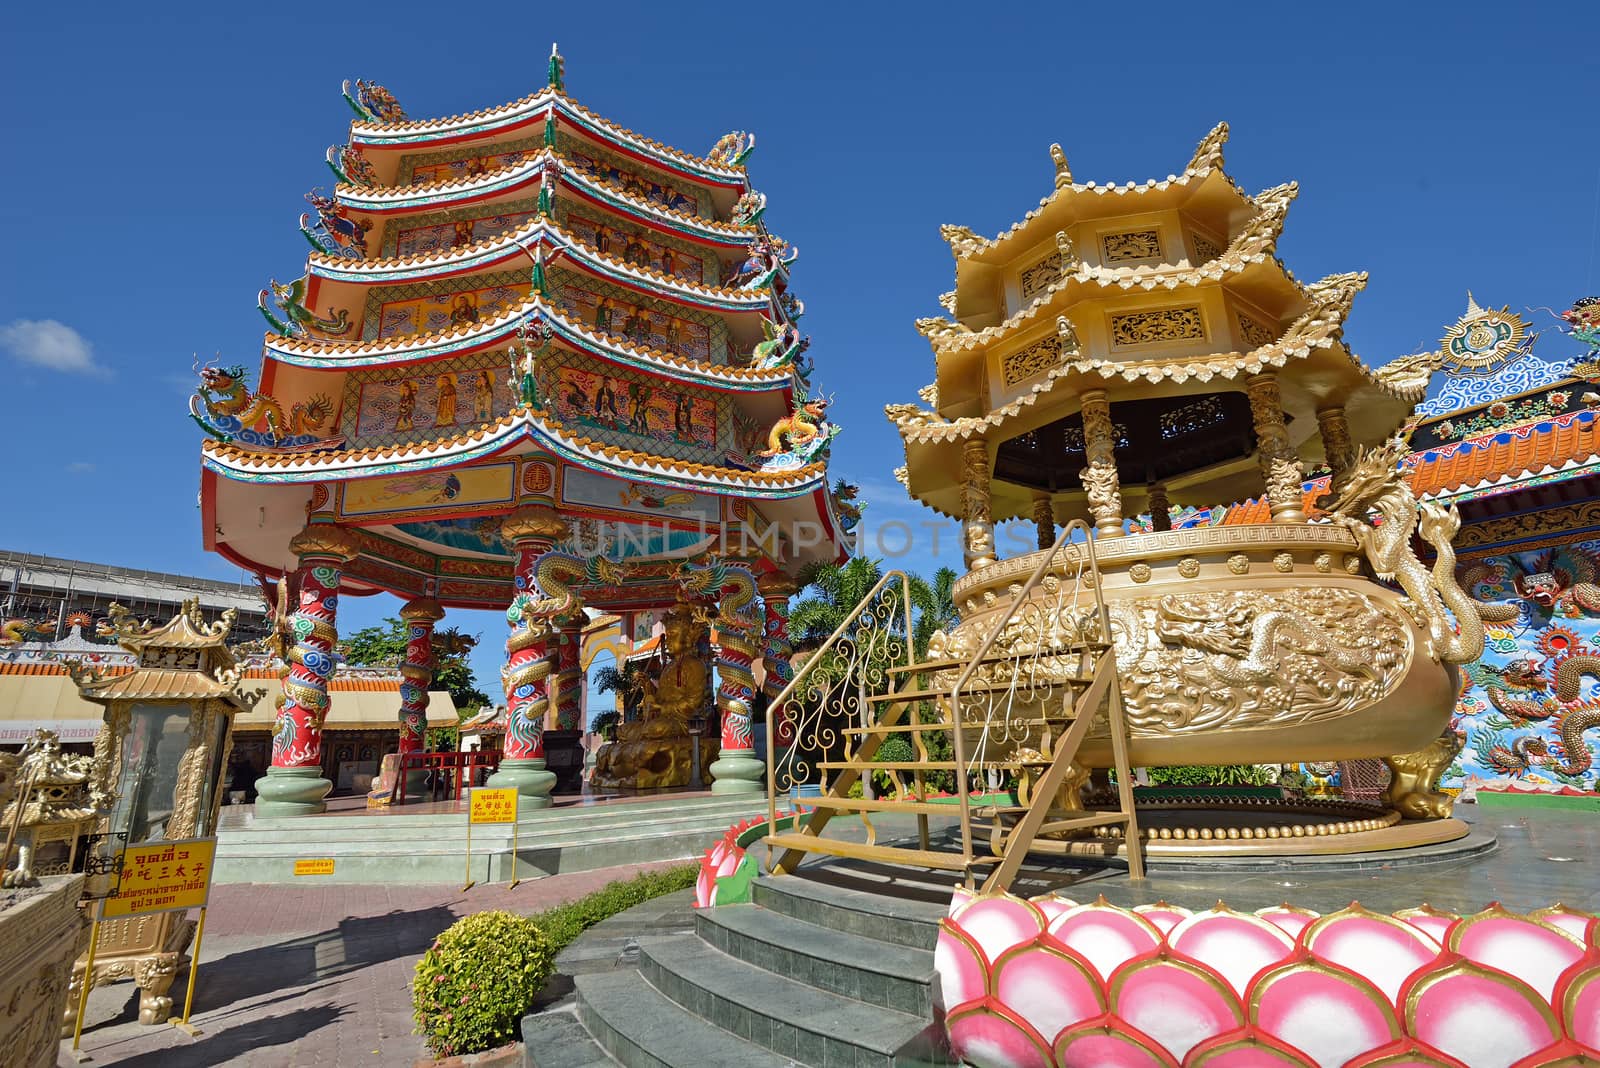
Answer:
(1530, 707)
(585, 489)
(455, 488)
(636, 182)
(637, 411)
(457, 163)
(447, 230)
(400, 311)
(632, 244)
(619, 312)
(391, 405)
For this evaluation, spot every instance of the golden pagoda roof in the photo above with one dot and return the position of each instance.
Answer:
(1254, 244)
(408, 132)
(184, 659)
(1205, 163)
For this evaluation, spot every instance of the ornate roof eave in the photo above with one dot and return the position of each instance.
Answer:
(1206, 161)
(1255, 244)
(1320, 327)
(326, 355)
(447, 191)
(411, 132)
(520, 242)
(524, 425)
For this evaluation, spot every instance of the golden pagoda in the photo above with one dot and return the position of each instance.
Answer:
(1129, 348)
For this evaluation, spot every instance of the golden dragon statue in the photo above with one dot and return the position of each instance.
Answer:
(1375, 483)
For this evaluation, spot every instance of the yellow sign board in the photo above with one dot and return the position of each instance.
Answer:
(494, 806)
(162, 877)
(314, 866)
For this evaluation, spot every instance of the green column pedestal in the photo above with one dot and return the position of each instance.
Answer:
(738, 772)
(291, 792)
(530, 779)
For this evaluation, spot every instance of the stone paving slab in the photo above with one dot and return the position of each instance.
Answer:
(309, 976)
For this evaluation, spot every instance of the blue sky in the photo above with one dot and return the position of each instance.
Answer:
(157, 157)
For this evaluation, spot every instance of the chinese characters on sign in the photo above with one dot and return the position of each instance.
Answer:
(314, 866)
(163, 877)
(494, 806)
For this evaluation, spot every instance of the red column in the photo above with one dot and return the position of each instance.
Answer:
(530, 531)
(293, 784)
(416, 672)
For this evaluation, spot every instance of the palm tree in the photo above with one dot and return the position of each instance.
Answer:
(626, 680)
(839, 588)
(935, 607)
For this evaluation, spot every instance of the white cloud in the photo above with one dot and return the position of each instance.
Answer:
(80, 467)
(47, 343)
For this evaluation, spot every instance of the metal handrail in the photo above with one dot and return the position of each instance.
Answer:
(818, 658)
(1065, 537)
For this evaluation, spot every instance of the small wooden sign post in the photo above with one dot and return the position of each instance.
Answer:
(492, 806)
(156, 877)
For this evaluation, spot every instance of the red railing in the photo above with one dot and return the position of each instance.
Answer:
(459, 765)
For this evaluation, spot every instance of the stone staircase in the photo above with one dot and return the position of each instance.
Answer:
(808, 974)
(396, 847)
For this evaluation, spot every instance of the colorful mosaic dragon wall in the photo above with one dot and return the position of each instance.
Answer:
(1530, 707)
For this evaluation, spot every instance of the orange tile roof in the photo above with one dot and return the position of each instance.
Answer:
(1499, 460)
(337, 683)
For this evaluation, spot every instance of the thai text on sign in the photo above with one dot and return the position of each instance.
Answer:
(314, 866)
(494, 806)
(163, 877)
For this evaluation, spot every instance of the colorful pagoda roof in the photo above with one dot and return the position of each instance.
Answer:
(528, 111)
(518, 244)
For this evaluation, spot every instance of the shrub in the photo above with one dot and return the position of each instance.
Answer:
(1214, 775)
(476, 981)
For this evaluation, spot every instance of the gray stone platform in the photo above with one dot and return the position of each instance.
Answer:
(430, 847)
(833, 965)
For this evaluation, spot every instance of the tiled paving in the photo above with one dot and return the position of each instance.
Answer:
(300, 976)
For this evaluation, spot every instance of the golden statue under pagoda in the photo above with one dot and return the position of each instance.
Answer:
(1129, 349)
(657, 751)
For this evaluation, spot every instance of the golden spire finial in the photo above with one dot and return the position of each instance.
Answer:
(1208, 153)
(1063, 172)
(1472, 307)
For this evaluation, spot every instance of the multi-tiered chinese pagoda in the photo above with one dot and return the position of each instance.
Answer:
(537, 363)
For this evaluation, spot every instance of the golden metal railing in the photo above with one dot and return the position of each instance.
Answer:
(999, 700)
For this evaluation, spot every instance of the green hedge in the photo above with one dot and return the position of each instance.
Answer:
(477, 980)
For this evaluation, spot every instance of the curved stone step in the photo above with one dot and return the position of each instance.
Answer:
(642, 1028)
(786, 1016)
(878, 973)
(559, 1040)
(875, 916)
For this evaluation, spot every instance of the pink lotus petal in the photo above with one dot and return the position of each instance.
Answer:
(1050, 906)
(1584, 926)
(1046, 989)
(1109, 1043)
(1435, 923)
(997, 922)
(958, 898)
(1177, 1004)
(963, 974)
(1105, 935)
(1580, 1005)
(1235, 945)
(1246, 1048)
(1484, 1018)
(1534, 952)
(1164, 916)
(1330, 1015)
(1381, 949)
(1291, 919)
(1406, 1053)
(986, 1038)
